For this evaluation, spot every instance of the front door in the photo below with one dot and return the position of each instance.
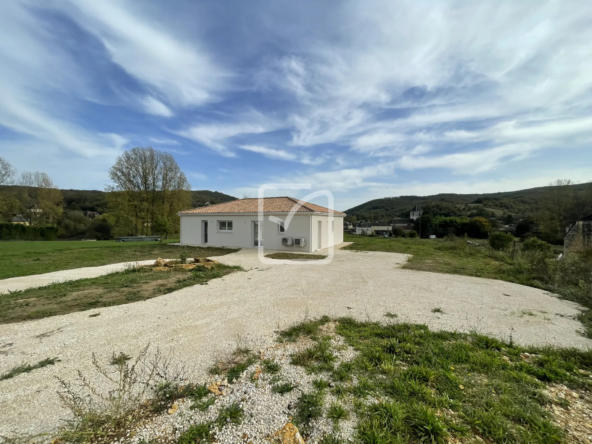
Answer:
(257, 241)
(204, 226)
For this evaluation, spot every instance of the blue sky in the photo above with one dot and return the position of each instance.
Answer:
(364, 99)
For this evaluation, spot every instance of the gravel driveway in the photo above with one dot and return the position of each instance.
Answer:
(203, 322)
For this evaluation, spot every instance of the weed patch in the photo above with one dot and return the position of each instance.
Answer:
(283, 388)
(26, 368)
(409, 384)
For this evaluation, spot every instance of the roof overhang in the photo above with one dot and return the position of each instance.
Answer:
(297, 213)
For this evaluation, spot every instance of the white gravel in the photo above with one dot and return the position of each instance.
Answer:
(265, 412)
(200, 323)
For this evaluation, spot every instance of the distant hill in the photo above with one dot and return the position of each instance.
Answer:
(94, 200)
(521, 203)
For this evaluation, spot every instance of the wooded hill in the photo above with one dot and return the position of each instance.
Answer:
(94, 200)
(520, 203)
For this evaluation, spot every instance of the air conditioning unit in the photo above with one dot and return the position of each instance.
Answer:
(287, 241)
(299, 242)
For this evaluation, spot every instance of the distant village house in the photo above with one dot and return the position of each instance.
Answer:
(387, 227)
(18, 219)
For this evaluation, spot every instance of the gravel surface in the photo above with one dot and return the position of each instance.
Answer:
(204, 322)
(265, 412)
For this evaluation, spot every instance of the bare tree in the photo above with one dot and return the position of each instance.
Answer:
(7, 172)
(43, 199)
(149, 189)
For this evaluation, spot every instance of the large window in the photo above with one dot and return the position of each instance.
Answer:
(281, 228)
(224, 225)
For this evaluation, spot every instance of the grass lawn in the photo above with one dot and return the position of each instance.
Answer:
(439, 256)
(409, 384)
(296, 256)
(24, 258)
(134, 284)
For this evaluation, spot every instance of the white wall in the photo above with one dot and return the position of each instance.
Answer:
(242, 233)
(331, 233)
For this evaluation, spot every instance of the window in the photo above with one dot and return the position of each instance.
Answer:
(224, 225)
(281, 228)
(333, 226)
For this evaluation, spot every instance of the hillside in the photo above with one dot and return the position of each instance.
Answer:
(94, 200)
(521, 203)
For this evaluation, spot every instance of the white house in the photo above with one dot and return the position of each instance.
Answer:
(416, 213)
(288, 224)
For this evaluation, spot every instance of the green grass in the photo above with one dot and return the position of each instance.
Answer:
(25, 258)
(296, 256)
(234, 366)
(26, 368)
(283, 388)
(196, 434)
(439, 256)
(409, 384)
(271, 367)
(134, 284)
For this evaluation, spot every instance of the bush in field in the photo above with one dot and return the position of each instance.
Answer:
(24, 232)
(501, 241)
(412, 234)
(479, 228)
(398, 232)
(100, 229)
(535, 245)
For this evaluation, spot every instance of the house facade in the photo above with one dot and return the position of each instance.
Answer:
(378, 228)
(579, 236)
(416, 213)
(288, 224)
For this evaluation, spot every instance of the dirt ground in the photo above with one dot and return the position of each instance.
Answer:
(203, 322)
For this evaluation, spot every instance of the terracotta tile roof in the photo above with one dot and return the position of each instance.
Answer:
(270, 205)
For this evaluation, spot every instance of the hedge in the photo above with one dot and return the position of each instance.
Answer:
(24, 232)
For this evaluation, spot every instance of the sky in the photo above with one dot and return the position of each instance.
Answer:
(361, 99)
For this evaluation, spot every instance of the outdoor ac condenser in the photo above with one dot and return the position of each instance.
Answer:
(287, 241)
(299, 242)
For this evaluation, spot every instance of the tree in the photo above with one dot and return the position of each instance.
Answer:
(100, 229)
(479, 228)
(42, 201)
(558, 201)
(148, 185)
(535, 245)
(7, 172)
(500, 241)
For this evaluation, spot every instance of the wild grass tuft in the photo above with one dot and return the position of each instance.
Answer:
(283, 388)
(26, 368)
(230, 414)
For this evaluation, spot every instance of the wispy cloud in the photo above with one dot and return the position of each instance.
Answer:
(182, 71)
(269, 152)
(355, 97)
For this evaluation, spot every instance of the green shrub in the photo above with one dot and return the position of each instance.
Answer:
(398, 232)
(412, 234)
(24, 232)
(535, 245)
(479, 228)
(500, 241)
